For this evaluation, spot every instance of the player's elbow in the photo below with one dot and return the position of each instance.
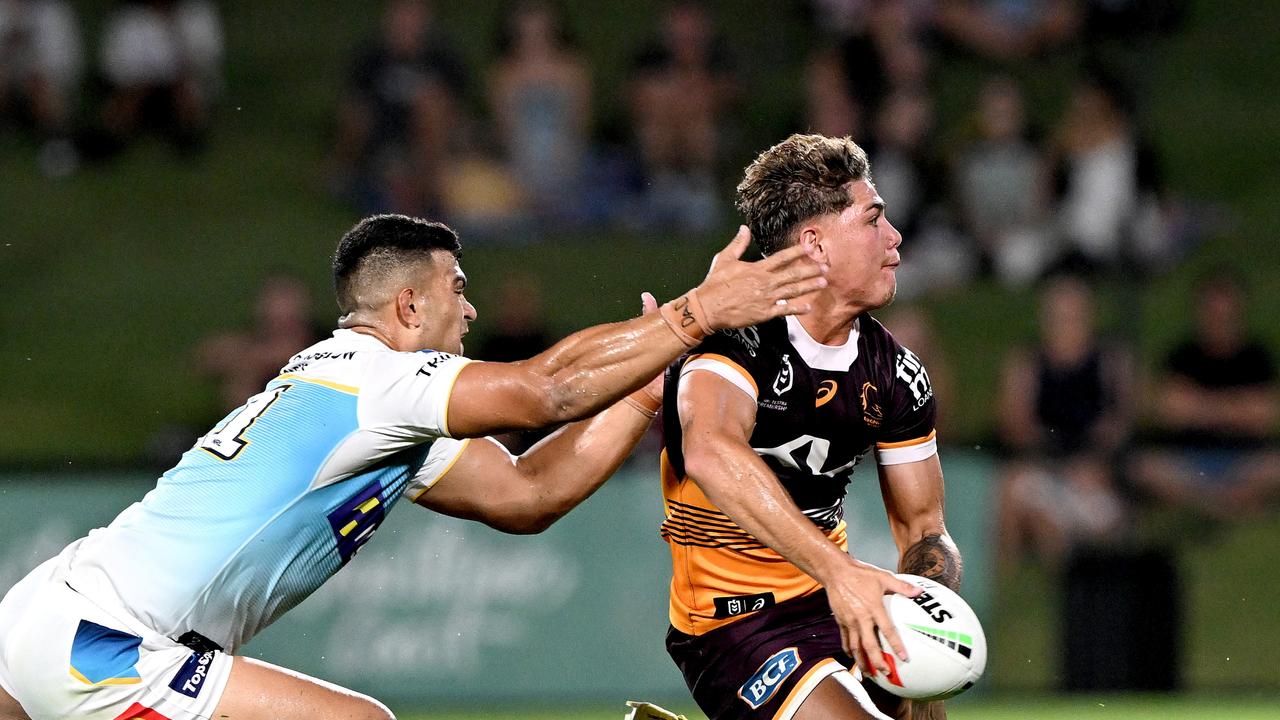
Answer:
(529, 521)
(526, 513)
(703, 460)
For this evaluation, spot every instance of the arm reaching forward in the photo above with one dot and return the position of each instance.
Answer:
(526, 494)
(594, 368)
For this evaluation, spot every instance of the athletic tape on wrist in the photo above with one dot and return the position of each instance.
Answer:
(687, 318)
(636, 401)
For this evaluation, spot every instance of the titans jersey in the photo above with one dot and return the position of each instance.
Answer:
(819, 410)
(279, 495)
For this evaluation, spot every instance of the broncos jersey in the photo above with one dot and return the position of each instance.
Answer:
(279, 495)
(819, 410)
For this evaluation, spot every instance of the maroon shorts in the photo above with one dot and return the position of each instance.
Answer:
(747, 669)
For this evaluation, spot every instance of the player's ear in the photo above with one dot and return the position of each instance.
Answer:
(811, 241)
(407, 308)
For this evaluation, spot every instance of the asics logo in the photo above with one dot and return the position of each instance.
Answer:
(825, 393)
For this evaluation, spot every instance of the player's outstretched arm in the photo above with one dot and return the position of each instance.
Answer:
(594, 368)
(716, 419)
(526, 494)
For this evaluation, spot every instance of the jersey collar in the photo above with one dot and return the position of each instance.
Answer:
(836, 358)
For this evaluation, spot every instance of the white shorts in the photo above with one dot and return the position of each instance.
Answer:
(63, 656)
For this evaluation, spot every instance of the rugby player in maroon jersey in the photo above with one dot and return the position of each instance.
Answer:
(764, 427)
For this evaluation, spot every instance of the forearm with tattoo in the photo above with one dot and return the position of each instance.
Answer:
(935, 557)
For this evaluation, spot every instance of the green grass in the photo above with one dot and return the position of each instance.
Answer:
(1081, 707)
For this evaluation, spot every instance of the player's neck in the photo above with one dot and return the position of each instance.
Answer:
(830, 322)
(376, 333)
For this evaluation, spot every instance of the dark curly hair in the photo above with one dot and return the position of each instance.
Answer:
(800, 178)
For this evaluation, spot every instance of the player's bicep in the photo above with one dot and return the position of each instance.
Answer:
(480, 483)
(710, 404)
(490, 398)
(716, 418)
(914, 499)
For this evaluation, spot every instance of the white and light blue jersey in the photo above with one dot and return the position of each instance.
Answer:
(279, 495)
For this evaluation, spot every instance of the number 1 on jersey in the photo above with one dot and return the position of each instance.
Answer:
(226, 442)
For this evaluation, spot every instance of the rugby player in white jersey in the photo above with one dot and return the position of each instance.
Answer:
(143, 619)
(764, 428)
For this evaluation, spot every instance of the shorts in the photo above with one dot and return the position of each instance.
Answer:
(762, 666)
(63, 656)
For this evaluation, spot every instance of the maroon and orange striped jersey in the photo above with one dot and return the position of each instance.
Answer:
(819, 410)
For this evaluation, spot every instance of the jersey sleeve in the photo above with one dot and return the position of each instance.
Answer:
(443, 454)
(406, 395)
(908, 433)
(730, 354)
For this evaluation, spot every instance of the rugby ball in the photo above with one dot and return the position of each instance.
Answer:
(943, 639)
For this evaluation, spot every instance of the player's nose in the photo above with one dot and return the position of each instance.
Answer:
(895, 237)
(469, 312)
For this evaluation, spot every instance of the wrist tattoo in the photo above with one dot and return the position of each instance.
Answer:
(936, 558)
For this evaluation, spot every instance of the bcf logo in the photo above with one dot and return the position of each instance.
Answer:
(761, 686)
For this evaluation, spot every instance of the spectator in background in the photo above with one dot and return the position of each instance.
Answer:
(682, 86)
(1000, 188)
(1217, 407)
(1108, 207)
(242, 361)
(520, 322)
(540, 91)
(1010, 31)
(398, 125)
(880, 43)
(829, 107)
(162, 63)
(520, 331)
(907, 169)
(1065, 413)
(913, 327)
(41, 60)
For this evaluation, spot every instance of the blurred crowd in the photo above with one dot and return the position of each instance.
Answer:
(1053, 190)
(991, 194)
(158, 69)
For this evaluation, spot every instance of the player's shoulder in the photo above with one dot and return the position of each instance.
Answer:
(881, 345)
(874, 332)
(342, 348)
(349, 359)
(748, 343)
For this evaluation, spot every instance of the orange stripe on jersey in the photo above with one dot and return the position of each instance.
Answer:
(712, 557)
(908, 443)
(730, 363)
